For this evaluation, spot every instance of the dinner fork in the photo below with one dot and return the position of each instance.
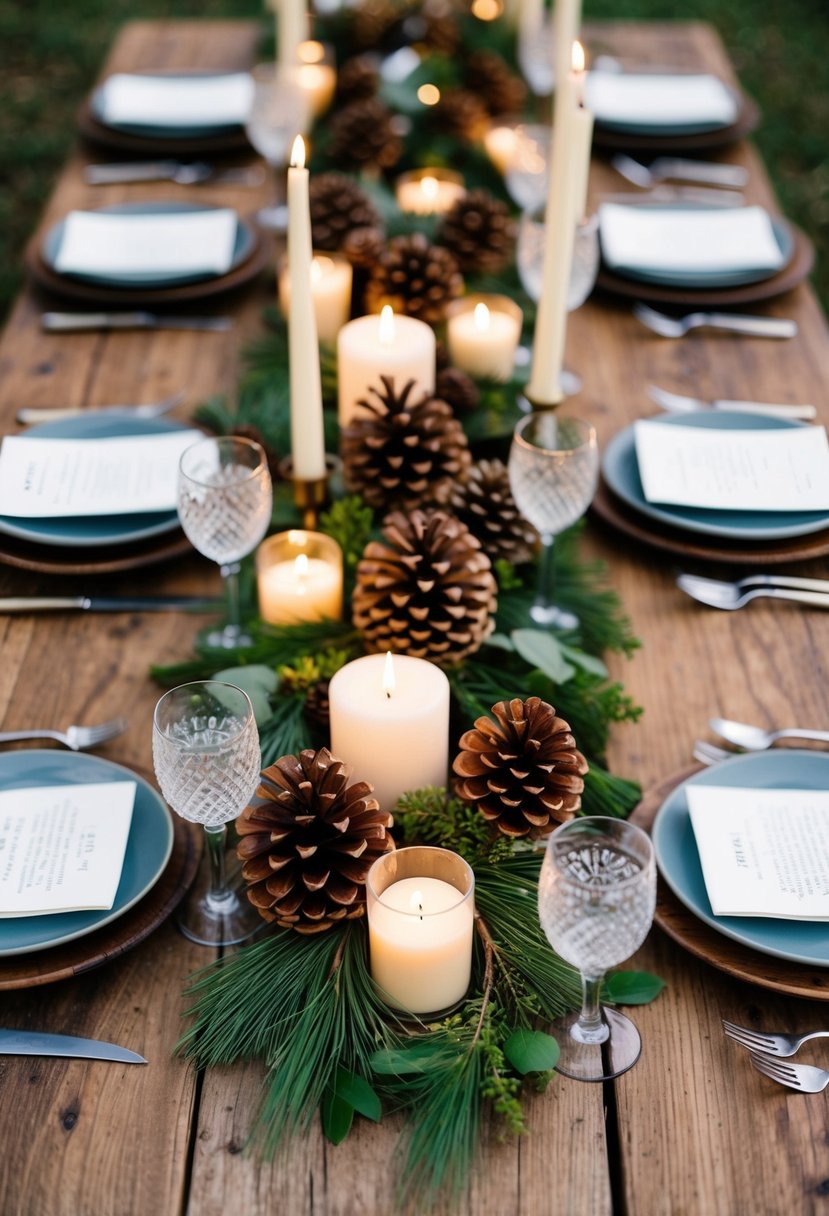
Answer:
(731, 596)
(678, 403)
(673, 168)
(47, 413)
(805, 1077)
(770, 1044)
(78, 738)
(709, 753)
(183, 173)
(678, 327)
(756, 739)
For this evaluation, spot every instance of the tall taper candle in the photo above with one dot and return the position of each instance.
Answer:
(291, 29)
(307, 440)
(566, 27)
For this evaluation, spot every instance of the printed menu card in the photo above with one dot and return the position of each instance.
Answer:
(763, 852)
(62, 847)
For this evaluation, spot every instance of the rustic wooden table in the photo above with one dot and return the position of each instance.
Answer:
(692, 1129)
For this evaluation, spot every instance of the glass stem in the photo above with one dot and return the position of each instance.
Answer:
(230, 574)
(546, 570)
(218, 893)
(590, 1028)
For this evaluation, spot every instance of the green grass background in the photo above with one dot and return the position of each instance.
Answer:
(50, 53)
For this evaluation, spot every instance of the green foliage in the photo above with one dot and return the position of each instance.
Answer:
(631, 988)
(430, 817)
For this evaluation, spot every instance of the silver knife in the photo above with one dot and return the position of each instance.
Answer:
(100, 603)
(36, 1043)
(71, 322)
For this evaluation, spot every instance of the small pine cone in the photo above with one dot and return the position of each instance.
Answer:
(374, 21)
(399, 447)
(365, 133)
(426, 590)
(461, 113)
(416, 278)
(363, 247)
(357, 79)
(479, 231)
(458, 389)
(488, 75)
(484, 502)
(308, 840)
(441, 32)
(522, 771)
(338, 206)
(317, 706)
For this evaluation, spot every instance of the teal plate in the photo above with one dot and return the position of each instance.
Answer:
(678, 859)
(89, 531)
(242, 249)
(621, 473)
(149, 845)
(163, 131)
(706, 279)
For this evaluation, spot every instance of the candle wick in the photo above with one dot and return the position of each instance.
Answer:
(420, 910)
(388, 694)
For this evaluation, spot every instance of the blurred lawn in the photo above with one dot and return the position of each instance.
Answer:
(50, 54)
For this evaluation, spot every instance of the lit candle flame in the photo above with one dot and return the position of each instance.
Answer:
(578, 57)
(298, 153)
(389, 682)
(386, 328)
(320, 267)
(429, 186)
(480, 318)
(301, 573)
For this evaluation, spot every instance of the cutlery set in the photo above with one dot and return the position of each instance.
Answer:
(183, 173)
(676, 403)
(769, 1054)
(749, 738)
(726, 322)
(716, 593)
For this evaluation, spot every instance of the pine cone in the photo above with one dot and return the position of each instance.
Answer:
(338, 206)
(522, 771)
(357, 79)
(461, 113)
(374, 21)
(365, 133)
(317, 709)
(458, 389)
(308, 841)
(400, 446)
(484, 502)
(488, 75)
(479, 231)
(416, 278)
(363, 247)
(427, 590)
(441, 32)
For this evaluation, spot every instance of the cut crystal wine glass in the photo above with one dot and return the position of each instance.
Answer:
(596, 899)
(553, 471)
(207, 761)
(225, 500)
(280, 110)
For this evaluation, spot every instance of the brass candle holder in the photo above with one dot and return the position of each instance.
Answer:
(311, 495)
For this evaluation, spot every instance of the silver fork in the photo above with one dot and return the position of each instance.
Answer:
(678, 327)
(709, 753)
(804, 1077)
(152, 409)
(677, 403)
(731, 596)
(772, 1044)
(78, 738)
(673, 168)
(756, 739)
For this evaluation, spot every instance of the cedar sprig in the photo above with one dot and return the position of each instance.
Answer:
(430, 817)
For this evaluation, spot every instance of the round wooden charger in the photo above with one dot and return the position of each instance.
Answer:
(608, 508)
(75, 957)
(794, 272)
(120, 297)
(151, 147)
(699, 939)
(679, 145)
(109, 559)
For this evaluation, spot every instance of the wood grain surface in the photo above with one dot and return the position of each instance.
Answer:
(692, 1129)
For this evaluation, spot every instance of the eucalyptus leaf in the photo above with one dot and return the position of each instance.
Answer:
(531, 1051)
(587, 662)
(357, 1092)
(337, 1117)
(501, 642)
(391, 1062)
(259, 682)
(632, 987)
(543, 651)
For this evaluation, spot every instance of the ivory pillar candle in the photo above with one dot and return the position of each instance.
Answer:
(390, 723)
(388, 345)
(307, 439)
(299, 577)
(482, 332)
(420, 905)
(330, 290)
(429, 191)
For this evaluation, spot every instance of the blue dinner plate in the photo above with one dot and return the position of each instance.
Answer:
(621, 473)
(678, 858)
(149, 845)
(89, 531)
(162, 130)
(242, 248)
(668, 129)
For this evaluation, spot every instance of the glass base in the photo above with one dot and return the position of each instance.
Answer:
(224, 922)
(227, 638)
(273, 219)
(548, 615)
(601, 1061)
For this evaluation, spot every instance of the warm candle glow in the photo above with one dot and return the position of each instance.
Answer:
(578, 57)
(298, 153)
(481, 315)
(429, 186)
(311, 51)
(386, 326)
(388, 675)
(487, 10)
(301, 573)
(428, 94)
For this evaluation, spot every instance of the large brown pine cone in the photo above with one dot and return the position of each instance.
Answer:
(487, 74)
(415, 278)
(426, 590)
(522, 770)
(483, 501)
(308, 840)
(357, 79)
(365, 133)
(401, 445)
(338, 207)
(461, 112)
(479, 231)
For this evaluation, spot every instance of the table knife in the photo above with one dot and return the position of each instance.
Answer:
(36, 1043)
(100, 603)
(71, 322)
